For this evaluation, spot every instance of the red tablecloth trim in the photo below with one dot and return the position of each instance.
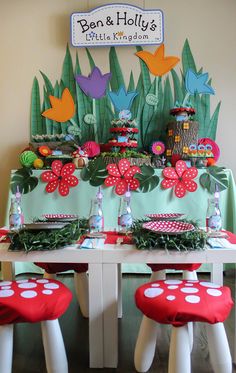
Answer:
(231, 237)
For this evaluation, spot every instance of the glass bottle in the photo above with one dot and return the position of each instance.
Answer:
(125, 219)
(96, 219)
(16, 217)
(213, 218)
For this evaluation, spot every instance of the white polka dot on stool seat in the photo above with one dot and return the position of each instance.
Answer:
(214, 292)
(173, 282)
(189, 290)
(155, 285)
(21, 281)
(153, 292)
(51, 285)
(42, 281)
(28, 294)
(5, 287)
(6, 293)
(47, 292)
(27, 285)
(172, 287)
(5, 283)
(209, 284)
(170, 297)
(192, 299)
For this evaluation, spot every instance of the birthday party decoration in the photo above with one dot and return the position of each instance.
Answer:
(181, 178)
(197, 83)
(122, 176)
(117, 24)
(60, 177)
(95, 84)
(27, 158)
(62, 109)
(156, 62)
(121, 99)
(158, 147)
(23, 181)
(214, 178)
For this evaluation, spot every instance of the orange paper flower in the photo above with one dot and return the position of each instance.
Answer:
(63, 109)
(157, 64)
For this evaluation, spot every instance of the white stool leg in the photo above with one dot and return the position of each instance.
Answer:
(54, 349)
(219, 348)
(158, 275)
(119, 282)
(49, 276)
(179, 355)
(190, 275)
(6, 348)
(145, 345)
(82, 292)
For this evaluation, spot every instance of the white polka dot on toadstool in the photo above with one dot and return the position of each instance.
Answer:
(51, 285)
(170, 297)
(189, 290)
(214, 292)
(173, 282)
(209, 284)
(42, 281)
(172, 287)
(5, 283)
(27, 285)
(153, 292)
(28, 294)
(6, 293)
(47, 292)
(192, 299)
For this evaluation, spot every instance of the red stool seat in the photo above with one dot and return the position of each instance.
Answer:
(62, 267)
(178, 302)
(183, 267)
(32, 300)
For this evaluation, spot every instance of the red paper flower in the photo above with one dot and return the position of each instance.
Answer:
(122, 176)
(180, 177)
(61, 177)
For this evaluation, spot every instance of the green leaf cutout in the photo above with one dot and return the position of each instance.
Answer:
(187, 58)
(144, 73)
(214, 176)
(90, 58)
(68, 77)
(24, 180)
(36, 118)
(48, 84)
(211, 130)
(117, 79)
(148, 180)
(95, 172)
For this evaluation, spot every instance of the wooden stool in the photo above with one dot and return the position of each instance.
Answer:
(34, 300)
(178, 302)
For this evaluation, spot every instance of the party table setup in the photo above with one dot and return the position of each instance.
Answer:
(120, 172)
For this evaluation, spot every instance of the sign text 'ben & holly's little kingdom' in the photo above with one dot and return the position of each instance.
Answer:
(117, 24)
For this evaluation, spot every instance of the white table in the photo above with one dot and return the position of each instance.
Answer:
(103, 284)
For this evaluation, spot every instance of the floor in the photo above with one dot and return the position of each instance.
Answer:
(28, 349)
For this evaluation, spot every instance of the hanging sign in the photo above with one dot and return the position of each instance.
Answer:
(117, 24)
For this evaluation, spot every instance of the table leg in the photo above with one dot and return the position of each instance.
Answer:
(119, 274)
(95, 316)
(217, 273)
(8, 270)
(110, 320)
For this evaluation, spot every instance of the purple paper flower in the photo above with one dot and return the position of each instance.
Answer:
(95, 84)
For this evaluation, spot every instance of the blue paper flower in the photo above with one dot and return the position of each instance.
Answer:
(95, 84)
(197, 83)
(121, 99)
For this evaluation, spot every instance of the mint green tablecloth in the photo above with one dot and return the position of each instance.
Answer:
(194, 205)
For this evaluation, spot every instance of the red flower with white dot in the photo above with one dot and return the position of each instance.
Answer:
(61, 177)
(122, 176)
(180, 177)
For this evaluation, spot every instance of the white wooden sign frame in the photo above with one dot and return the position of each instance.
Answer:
(117, 24)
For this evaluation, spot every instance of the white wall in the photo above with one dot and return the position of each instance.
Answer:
(33, 36)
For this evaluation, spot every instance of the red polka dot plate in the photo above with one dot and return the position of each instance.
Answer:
(168, 227)
(171, 216)
(60, 217)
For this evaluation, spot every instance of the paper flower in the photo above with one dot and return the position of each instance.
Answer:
(197, 83)
(63, 109)
(44, 150)
(157, 64)
(61, 177)
(122, 176)
(180, 178)
(95, 84)
(121, 99)
(158, 147)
